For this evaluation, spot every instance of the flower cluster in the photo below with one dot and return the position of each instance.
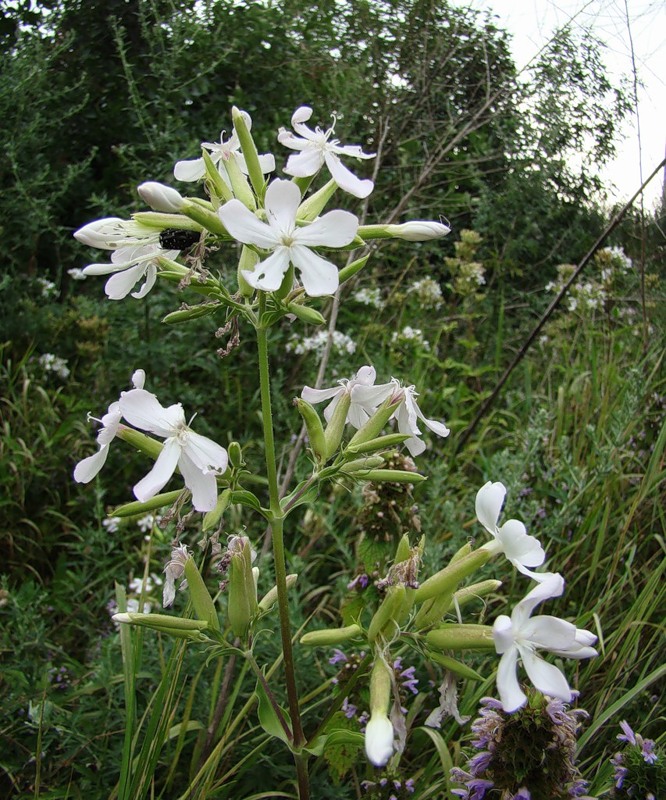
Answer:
(525, 756)
(640, 768)
(428, 292)
(52, 363)
(366, 397)
(341, 343)
(412, 336)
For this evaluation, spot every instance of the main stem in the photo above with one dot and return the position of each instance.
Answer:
(277, 528)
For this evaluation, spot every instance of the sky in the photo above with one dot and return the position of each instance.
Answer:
(619, 24)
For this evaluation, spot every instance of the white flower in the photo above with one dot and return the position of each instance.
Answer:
(130, 264)
(220, 153)
(111, 524)
(86, 469)
(512, 539)
(519, 637)
(160, 197)
(52, 363)
(288, 242)
(407, 415)
(198, 458)
(428, 292)
(47, 288)
(111, 233)
(365, 396)
(318, 341)
(316, 148)
(369, 297)
(379, 739)
(76, 274)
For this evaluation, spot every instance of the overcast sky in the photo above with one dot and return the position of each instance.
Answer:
(617, 23)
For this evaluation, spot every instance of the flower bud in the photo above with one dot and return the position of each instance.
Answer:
(447, 579)
(216, 185)
(351, 269)
(242, 605)
(249, 149)
(205, 217)
(314, 428)
(173, 626)
(385, 621)
(138, 507)
(461, 637)
(161, 197)
(147, 445)
(306, 314)
(212, 518)
(379, 730)
(235, 455)
(270, 598)
(374, 426)
(239, 184)
(311, 208)
(331, 636)
(418, 230)
(202, 602)
(369, 462)
(469, 593)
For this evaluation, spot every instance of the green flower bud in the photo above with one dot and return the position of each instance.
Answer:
(145, 444)
(380, 443)
(314, 428)
(311, 208)
(392, 475)
(250, 153)
(137, 507)
(185, 314)
(468, 593)
(235, 455)
(161, 622)
(457, 667)
(374, 426)
(242, 606)
(208, 219)
(432, 611)
(385, 621)
(270, 598)
(447, 579)
(212, 518)
(240, 185)
(162, 221)
(202, 602)
(370, 462)
(306, 314)
(351, 269)
(336, 425)
(331, 636)
(218, 188)
(461, 637)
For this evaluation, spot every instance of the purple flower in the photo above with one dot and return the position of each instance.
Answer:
(338, 657)
(349, 709)
(627, 734)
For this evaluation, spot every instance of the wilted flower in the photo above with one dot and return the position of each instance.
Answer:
(174, 570)
(316, 149)
(522, 550)
(407, 415)
(199, 459)
(519, 637)
(289, 243)
(220, 152)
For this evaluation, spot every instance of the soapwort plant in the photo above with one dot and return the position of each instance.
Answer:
(287, 244)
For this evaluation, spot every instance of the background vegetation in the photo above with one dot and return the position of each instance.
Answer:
(97, 97)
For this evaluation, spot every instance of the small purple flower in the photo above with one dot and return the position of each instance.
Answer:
(349, 709)
(360, 582)
(522, 794)
(409, 785)
(647, 748)
(338, 657)
(627, 734)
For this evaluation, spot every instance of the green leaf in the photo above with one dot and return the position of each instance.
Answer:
(268, 719)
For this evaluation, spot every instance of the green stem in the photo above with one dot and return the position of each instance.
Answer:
(277, 528)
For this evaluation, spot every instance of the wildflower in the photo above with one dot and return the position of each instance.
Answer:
(428, 292)
(47, 288)
(317, 343)
(526, 756)
(640, 769)
(379, 730)
(521, 636)
(221, 152)
(76, 274)
(407, 415)
(112, 233)
(147, 522)
(361, 408)
(412, 335)
(199, 459)
(369, 297)
(86, 469)
(111, 524)
(317, 148)
(129, 265)
(288, 242)
(174, 571)
(522, 550)
(55, 364)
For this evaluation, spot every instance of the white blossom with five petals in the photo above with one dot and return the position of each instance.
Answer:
(362, 406)
(512, 539)
(220, 152)
(198, 458)
(289, 242)
(316, 149)
(520, 636)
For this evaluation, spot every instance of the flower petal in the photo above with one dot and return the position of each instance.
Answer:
(489, 501)
(202, 484)
(282, 200)
(268, 274)
(335, 229)
(190, 170)
(143, 410)
(518, 546)
(319, 277)
(162, 470)
(308, 162)
(379, 740)
(245, 227)
(545, 677)
(205, 454)
(346, 179)
(121, 284)
(511, 695)
(151, 276)
(86, 469)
